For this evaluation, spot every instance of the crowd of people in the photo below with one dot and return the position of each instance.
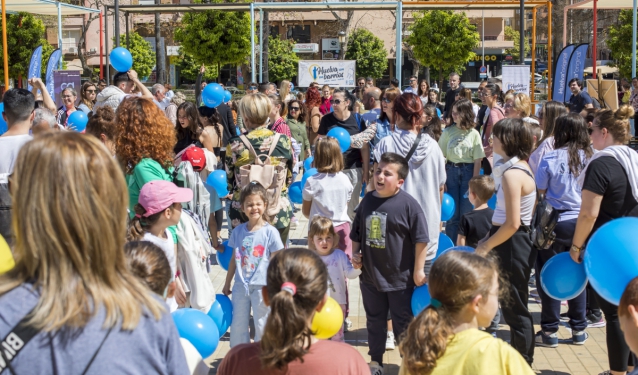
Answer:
(114, 229)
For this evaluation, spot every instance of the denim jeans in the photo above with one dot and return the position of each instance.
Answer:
(457, 183)
(243, 300)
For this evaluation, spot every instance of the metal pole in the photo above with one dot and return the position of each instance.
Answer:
(633, 39)
(593, 50)
(128, 41)
(261, 45)
(59, 33)
(117, 23)
(533, 53)
(483, 38)
(399, 57)
(101, 47)
(521, 51)
(549, 50)
(106, 42)
(253, 73)
(5, 48)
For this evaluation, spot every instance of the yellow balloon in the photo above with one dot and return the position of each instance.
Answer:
(327, 322)
(6, 257)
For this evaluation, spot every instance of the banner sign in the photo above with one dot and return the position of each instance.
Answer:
(35, 65)
(64, 79)
(517, 78)
(339, 73)
(54, 59)
(576, 66)
(560, 73)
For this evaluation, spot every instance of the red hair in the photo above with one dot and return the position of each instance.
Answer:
(313, 98)
(409, 107)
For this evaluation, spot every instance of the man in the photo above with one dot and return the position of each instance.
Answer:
(484, 111)
(579, 99)
(372, 103)
(101, 85)
(252, 88)
(369, 82)
(394, 83)
(123, 84)
(414, 86)
(43, 121)
(273, 89)
(450, 95)
(200, 83)
(361, 84)
(159, 93)
(264, 88)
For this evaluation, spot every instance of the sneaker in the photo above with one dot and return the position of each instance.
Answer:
(375, 368)
(389, 342)
(347, 325)
(564, 317)
(595, 322)
(548, 341)
(579, 337)
(606, 372)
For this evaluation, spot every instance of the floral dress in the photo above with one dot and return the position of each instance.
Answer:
(237, 155)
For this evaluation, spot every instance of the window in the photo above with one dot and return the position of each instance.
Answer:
(274, 31)
(300, 33)
(70, 38)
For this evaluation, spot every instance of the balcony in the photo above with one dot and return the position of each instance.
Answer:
(496, 41)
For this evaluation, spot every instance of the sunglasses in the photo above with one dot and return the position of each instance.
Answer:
(386, 100)
(336, 101)
(252, 88)
(413, 80)
(294, 109)
(90, 91)
(361, 83)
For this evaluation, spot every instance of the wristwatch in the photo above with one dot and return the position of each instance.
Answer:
(576, 249)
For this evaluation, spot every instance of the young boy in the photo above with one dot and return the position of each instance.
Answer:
(475, 225)
(628, 316)
(389, 237)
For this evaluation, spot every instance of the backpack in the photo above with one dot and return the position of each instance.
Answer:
(271, 177)
(185, 177)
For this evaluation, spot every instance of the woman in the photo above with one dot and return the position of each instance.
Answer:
(71, 284)
(68, 96)
(190, 130)
(433, 100)
(297, 285)
(609, 192)
(509, 237)
(491, 98)
(465, 93)
(423, 91)
(550, 112)
(519, 106)
(431, 123)
(144, 145)
(102, 126)
(313, 119)
(284, 91)
(297, 124)
(385, 124)
(462, 148)
(171, 110)
(212, 134)
(255, 109)
(87, 97)
(277, 116)
(326, 97)
(556, 179)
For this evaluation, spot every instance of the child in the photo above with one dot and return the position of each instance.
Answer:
(253, 244)
(323, 240)
(475, 225)
(444, 338)
(391, 231)
(158, 208)
(628, 316)
(328, 192)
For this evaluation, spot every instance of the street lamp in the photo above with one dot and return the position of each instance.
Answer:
(342, 42)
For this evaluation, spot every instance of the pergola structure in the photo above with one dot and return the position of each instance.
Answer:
(398, 6)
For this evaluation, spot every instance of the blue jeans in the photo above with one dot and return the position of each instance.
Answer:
(457, 183)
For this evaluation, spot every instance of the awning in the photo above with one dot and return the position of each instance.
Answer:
(604, 69)
(46, 7)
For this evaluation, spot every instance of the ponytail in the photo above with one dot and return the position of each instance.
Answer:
(139, 224)
(425, 340)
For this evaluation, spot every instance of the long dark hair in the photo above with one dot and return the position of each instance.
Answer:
(571, 131)
(302, 110)
(212, 116)
(433, 128)
(465, 114)
(495, 90)
(195, 125)
(421, 92)
(550, 112)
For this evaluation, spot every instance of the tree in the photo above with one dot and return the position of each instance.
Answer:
(511, 34)
(282, 61)
(189, 67)
(369, 52)
(619, 42)
(24, 34)
(443, 40)
(142, 52)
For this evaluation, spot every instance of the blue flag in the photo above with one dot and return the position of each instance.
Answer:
(51, 64)
(560, 73)
(35, 65)
(576, 66)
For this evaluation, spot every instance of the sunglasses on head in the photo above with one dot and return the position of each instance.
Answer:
(336, 101)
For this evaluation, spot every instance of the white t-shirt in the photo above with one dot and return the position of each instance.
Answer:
(168, 246)
(329, 194)
(339, 267)
(9, 147)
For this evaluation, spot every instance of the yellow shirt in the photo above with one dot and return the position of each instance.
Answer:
(474, 352)
(6, 258)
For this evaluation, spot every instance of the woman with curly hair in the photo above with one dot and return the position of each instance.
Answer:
(144, 145)
(313, 117)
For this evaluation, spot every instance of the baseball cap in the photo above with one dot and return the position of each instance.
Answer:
(196, 157)
(156, 196)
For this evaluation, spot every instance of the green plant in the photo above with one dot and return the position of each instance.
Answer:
(24, 34)
(142, 52)
(619, 41)
(511, 34)
(369, 52)
(282, 61)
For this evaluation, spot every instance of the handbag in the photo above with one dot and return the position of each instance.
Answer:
(544, 221)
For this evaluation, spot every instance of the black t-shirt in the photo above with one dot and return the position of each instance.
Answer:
(388, 230)
(605, 176)
(480, 118)
(475, 225)
(578, 102)
(352, 157)
(188, 140)
(450, 95)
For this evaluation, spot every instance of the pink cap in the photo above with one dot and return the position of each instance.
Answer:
(158, 195)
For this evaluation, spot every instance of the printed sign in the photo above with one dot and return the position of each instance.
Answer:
(63, 79)
(338, 73)
(330, 49)
(516, 77)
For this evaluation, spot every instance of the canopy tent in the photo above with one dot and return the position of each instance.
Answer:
(43, 7)
(604, 69)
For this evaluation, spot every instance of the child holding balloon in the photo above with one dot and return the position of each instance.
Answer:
(323, 240)
(253, 244)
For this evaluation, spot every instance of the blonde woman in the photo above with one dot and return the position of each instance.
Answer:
(284, 91)
(71, 286)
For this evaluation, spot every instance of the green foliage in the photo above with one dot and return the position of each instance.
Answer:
(189, 67)
(369, 52)
(24, 34)
(215, 37)
(619, 42)
(443, 40)
(511, 34)
(282, 62)
(142, 52)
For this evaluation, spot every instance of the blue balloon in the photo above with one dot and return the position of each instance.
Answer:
(77, 121)
(222, 313)
(213, 95)
(309, 172)
(420, 299)
(445, 243)
(492, 202)
(467, 249)
(447, 207)
(363, 190)
(611, 258)
(294, 192)
(227, 96)
(3, 124)
(198, 328)
(218, 181)
(341, 135)
(562, 278)
(121, 59)
(223, 259)
(307, 164)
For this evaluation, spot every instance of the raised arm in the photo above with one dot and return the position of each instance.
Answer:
(46, 98)
(146, 94)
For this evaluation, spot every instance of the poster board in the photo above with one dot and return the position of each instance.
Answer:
(517, 78)
(336, 73)
(605, 91)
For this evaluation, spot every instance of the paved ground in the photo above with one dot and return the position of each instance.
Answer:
(587, 359)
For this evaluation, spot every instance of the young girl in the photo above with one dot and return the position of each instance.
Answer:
(328, 192)
(253, 244)
(189, 127)
(297, 285)
(159, 207)
(445, 337)
(323, 240)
